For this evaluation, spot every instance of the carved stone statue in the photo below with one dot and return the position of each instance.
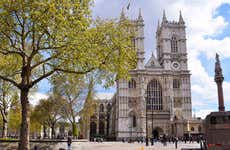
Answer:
(218, 70)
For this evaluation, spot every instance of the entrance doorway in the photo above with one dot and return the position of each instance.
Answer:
(157, 132)
(93, 129)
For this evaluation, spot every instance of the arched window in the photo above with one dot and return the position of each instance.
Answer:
(134, 119)
(154, 95)
(101, 108)
(176, 83)
(174, 47)
(132, 84)
(108, 107)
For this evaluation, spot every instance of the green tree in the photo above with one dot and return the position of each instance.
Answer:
(73, 89)
(35, 124)
(41, 38)
(48, 112)
(15, 118)
(8, 97)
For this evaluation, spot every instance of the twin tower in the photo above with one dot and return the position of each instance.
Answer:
(166, 32)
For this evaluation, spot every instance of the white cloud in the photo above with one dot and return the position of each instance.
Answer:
(36, 96)
(102, 95)
(203, 113)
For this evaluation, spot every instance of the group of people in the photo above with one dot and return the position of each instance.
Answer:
(164, 139)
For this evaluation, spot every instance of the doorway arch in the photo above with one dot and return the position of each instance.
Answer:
(93, 129)
(157, 132)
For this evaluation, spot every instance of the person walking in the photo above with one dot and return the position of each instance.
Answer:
(69, 142)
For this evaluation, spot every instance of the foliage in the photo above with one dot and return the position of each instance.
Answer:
(41, 38)
(48, 112)
(15, 118)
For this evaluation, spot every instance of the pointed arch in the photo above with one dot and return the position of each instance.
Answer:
(132, 84)
(133, 118)
(154, 95)
(174, 44)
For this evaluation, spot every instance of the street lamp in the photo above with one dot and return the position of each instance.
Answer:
(146, 140)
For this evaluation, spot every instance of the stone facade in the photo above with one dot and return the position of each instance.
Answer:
(99, 122)
(158, 94)
(159, 89)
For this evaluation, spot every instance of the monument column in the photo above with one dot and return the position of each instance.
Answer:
(219, 80)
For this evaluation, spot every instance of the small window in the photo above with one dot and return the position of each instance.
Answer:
(176, 83)
(132, 84)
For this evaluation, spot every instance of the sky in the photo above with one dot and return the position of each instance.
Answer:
(208, 33)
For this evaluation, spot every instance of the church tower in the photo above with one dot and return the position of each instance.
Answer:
(172, 56)
(171, 44)
(139, 40)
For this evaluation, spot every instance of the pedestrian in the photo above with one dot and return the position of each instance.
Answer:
(69, 142)
(176, 140)
(164, 140)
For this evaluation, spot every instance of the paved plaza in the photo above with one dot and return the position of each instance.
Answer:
(129, 146)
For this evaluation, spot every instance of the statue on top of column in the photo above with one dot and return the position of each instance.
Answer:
(218, 69)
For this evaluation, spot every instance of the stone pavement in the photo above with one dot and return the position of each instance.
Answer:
(128, 146)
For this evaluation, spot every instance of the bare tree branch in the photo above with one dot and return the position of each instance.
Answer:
(11, 81)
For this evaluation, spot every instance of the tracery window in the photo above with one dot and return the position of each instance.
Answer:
(176, 83)
(101, 108)
(154, 95)
(174, 46)
(132, 84)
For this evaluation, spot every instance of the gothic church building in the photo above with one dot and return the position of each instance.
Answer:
(159, 89)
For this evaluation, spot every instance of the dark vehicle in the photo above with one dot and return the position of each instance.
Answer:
(217, 126)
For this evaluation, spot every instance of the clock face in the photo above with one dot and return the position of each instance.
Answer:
(175, 65)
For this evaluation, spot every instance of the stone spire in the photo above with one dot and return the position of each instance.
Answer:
(158, 26)
(122, 15)
(181, 20)
(164, 19)
(219, 80)
(140, 18)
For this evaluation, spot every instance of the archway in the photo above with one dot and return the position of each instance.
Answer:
(101, 128)
(93, 129)
(157, 132)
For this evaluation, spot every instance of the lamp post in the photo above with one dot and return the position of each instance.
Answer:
(146, 140)
(152, 123)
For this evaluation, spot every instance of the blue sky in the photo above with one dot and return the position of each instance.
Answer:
(208, 32)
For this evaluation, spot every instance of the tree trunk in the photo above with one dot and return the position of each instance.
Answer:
(74, 129)
(24, 131)
(4, 129)
(53, 133)
(44, 132)
(5, 123)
